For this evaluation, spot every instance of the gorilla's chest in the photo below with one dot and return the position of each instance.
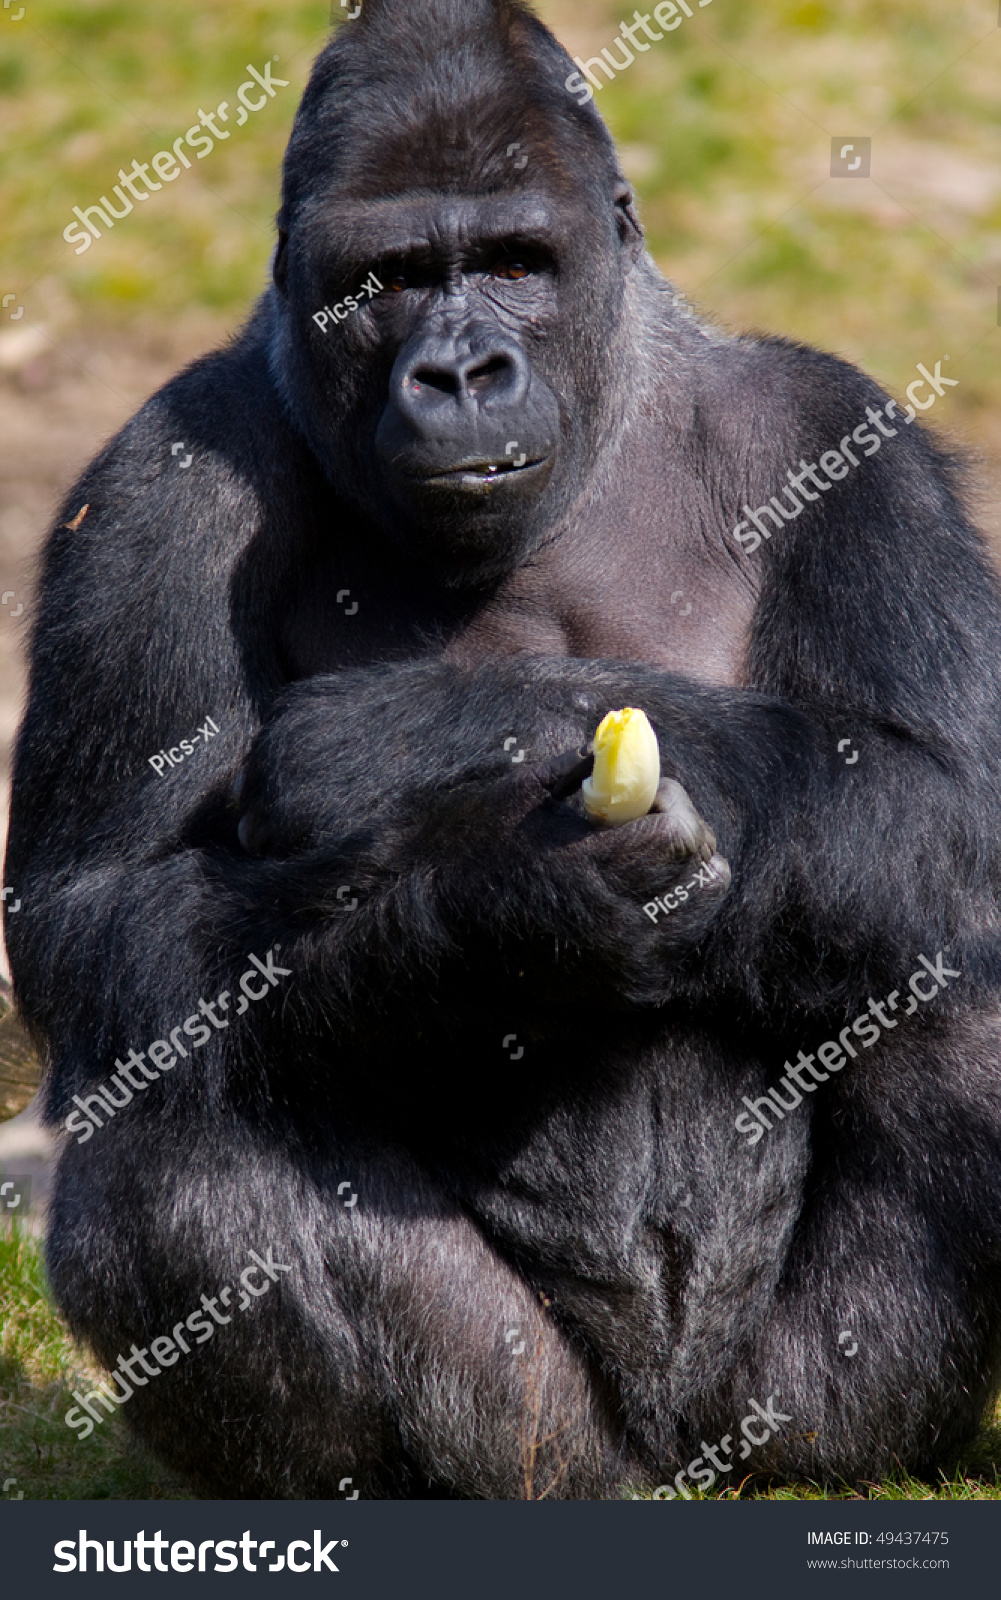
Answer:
(633, 582)
(658, 600)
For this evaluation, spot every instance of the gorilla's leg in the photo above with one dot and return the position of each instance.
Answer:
(882, 1335)
(398, 1350)
(843, 1265)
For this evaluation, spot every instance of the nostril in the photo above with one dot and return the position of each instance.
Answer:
(481, 377)
(435, 378)
(458, 379)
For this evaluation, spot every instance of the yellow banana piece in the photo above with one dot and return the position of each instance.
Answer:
(626, 768)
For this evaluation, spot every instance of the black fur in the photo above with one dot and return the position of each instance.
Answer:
(565, 1269)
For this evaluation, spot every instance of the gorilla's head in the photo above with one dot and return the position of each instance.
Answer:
(463, 406)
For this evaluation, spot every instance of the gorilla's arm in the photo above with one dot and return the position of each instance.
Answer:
(145, 628)
(877, 631)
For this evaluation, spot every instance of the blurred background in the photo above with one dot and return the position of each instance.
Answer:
(726, 130)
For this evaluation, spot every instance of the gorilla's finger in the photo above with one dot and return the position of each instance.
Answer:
(564, 774)
(671, 831)
(673, 804)
(720, 869)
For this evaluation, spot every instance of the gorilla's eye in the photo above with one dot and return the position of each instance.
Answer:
(398, 282)
(512, 270)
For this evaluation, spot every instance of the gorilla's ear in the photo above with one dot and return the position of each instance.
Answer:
(630, 230)
(279, 270)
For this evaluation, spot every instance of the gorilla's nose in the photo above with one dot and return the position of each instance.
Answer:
(442, 376)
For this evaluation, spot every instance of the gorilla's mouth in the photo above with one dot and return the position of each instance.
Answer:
(480, 474)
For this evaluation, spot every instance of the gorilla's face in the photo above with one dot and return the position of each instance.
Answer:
(470, 430)
(463, 405)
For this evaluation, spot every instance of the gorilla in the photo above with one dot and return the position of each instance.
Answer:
(483, 1096)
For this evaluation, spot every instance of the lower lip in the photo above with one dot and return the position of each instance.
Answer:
(479, 480)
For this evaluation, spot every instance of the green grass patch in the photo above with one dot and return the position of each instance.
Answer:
(975, 1477)
(40, 1366)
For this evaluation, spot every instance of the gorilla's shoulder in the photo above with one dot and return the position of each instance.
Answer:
(225, 399)
(219, 413)
(767, 398)
(774, 374)
(207, 464)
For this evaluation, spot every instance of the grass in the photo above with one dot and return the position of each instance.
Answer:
(725, 126)
(89, 86)
(975, 1477)
(40, 1366)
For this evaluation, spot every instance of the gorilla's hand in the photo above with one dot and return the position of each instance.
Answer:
(674, 841)
(658, 880)
(671, 832)
(518, 861)
(399, 786)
